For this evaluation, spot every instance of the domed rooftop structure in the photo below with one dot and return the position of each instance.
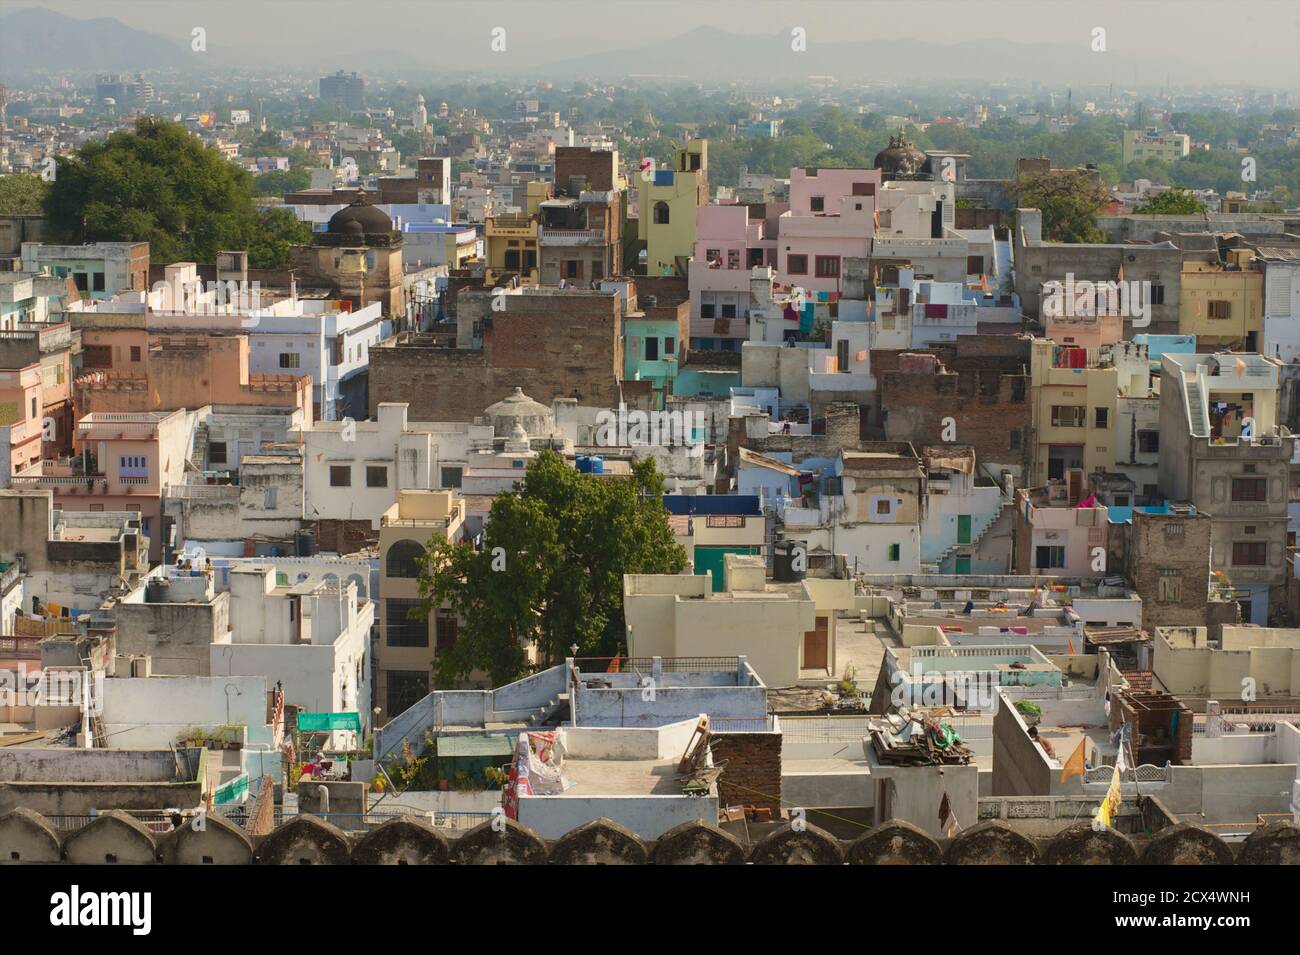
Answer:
(359, 219)
(518, 410)
(901, 160)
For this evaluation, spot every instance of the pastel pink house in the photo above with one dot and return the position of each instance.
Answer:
(729, 243)
(832, 217)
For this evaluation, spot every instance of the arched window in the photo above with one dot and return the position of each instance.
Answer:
(661, 213)
(404, 559)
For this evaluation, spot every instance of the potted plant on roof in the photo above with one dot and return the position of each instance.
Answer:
(1030, 712)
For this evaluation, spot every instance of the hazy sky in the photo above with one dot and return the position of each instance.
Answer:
(1261, 37)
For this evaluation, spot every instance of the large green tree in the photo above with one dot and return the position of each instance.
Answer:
(1070, 202)
(550, 570)
(160, 184)
(1171, 202)
(21, 194)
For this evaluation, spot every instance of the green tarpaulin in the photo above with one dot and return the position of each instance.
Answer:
(232, 791)
(329, 722)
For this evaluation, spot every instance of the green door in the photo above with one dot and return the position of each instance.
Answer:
(963, 528)
(963, 565)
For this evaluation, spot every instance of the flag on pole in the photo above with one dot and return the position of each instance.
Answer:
(946, 819)
(1076, 765)
(1110, 804)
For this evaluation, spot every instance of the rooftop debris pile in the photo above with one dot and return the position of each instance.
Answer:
(913, 737)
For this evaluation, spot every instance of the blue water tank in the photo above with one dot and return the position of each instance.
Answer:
(583, 463)
(597, 464)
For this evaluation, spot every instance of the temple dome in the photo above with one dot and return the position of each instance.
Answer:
(901, 160)
(360, 219)
(518, 410)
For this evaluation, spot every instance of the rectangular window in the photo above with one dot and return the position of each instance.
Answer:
(729, 311)
(1015, 440)
(796, 264)
(895, 551)
(974, 265)
(828, 266)
(405, 689)
(98, 281)
(403, 630)
(1049, 558)
(376, 475)
(1220, 309)
(864, 189)
(1069, 416)
(448, 628)
(82, 280)
(817, 203)
(1157, 294)
(1102, 417)
(290, 359)
(451, 477)
(1250, 489)
(1148, 442)
(135, 352)
(340, 475)
(652, 349)
(1249, 553)
(670, 347)
(707, 309)
(216, 452)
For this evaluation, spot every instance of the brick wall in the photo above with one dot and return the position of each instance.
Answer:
(1178, 546)
(345, 537)
(574, 161)
(548, 344)
(752, 776)
(915, 404)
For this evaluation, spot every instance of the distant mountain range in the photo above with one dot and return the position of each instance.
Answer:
(36, 38)
(710, 53)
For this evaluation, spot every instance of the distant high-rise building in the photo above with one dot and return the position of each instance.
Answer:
(124, 91)
(344, 89)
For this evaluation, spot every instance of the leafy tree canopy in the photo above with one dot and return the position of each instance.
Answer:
(22, 195)
(1173, 202)
(1069, 200)
(550, 572)
(162, 185)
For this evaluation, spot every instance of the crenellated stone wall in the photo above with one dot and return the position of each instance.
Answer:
(116, 838)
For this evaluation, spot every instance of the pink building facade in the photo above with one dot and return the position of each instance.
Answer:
(832, 217)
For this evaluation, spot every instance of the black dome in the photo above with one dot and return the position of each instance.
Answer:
(360, 219)
(901, 160)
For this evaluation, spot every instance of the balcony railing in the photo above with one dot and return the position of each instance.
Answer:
(573, 237)
(69, 484)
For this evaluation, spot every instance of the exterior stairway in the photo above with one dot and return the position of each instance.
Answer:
(1196, 407)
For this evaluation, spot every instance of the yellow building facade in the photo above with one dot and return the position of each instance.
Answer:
(667, 202)
(1223, 308)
